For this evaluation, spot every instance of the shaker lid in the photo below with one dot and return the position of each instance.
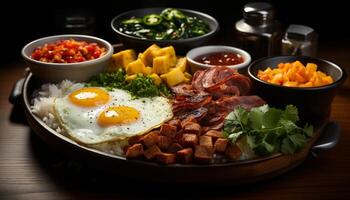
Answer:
(300, 32)
(260, 10)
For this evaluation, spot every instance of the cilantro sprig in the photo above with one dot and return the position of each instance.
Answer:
(268, 130)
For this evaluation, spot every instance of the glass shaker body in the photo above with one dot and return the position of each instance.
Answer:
(258, 32)
(299, 40)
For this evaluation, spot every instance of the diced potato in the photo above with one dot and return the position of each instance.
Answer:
(123, 58)
(156, 79)
(174, 77)
(148, 55)
(168, 51)
(129, 78)
(161, 64)
(188, 75)
(147, 70)
(182, 64)
(135, 67)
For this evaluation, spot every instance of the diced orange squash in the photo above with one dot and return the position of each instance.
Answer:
(295, 74)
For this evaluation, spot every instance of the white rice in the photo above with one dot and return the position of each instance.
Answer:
(43, 106)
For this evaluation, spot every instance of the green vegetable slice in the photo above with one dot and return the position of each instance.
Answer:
(171, 13)
(152, 19)
(132, 21)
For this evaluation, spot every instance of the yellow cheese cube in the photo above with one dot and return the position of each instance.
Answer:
(148, 55)
(156, 79)
(169, 51)
(174, 77)
(181, 63)
(135, 67)
(123, 58)
(161, 64)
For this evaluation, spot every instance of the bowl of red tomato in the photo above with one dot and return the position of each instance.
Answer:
(73, 57)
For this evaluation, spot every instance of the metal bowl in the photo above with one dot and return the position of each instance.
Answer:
(314, 103)
(181, 46)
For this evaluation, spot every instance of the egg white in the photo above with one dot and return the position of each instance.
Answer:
(81, 122)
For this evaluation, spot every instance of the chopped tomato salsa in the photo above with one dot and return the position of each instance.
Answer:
(68, 51)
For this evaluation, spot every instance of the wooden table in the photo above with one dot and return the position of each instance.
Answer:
(31, 170)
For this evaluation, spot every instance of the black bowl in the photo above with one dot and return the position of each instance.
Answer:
(314, 103)
(181, 46)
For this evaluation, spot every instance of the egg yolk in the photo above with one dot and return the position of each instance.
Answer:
(89, 97)
(118, 115)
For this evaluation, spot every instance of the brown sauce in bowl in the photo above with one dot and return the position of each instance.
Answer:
(220, 58)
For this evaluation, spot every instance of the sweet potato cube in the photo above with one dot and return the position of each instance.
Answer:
(189, 140)
(152, 152)
(203, 154)
(192, 127)
(168, 130)
(214, 134)
(174, 147)
(233, 152)
(134, 151)
(151, 138)
(185, 155)
(135, 139)
(220, 145)
(164, 142)
(166, 158)
(205, 141)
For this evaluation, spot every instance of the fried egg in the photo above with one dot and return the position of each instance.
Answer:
(93, 115)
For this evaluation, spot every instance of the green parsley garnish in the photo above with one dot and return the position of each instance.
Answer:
(268, 130)
(141, 86)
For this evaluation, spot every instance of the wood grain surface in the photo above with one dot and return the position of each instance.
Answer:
(29, 169)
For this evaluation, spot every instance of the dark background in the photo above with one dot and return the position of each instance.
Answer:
(23, 22)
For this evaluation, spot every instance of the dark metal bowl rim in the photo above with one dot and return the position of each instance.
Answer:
(199, 14)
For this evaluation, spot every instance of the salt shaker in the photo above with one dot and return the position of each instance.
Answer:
(258, 32)
(299, 40)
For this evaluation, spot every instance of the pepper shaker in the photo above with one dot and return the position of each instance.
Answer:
(299, 40)
(258, 32)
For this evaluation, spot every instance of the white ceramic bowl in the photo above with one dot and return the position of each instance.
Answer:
(55, 72)
(200, 51)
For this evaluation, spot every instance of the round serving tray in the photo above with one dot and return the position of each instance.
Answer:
(235, 172)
